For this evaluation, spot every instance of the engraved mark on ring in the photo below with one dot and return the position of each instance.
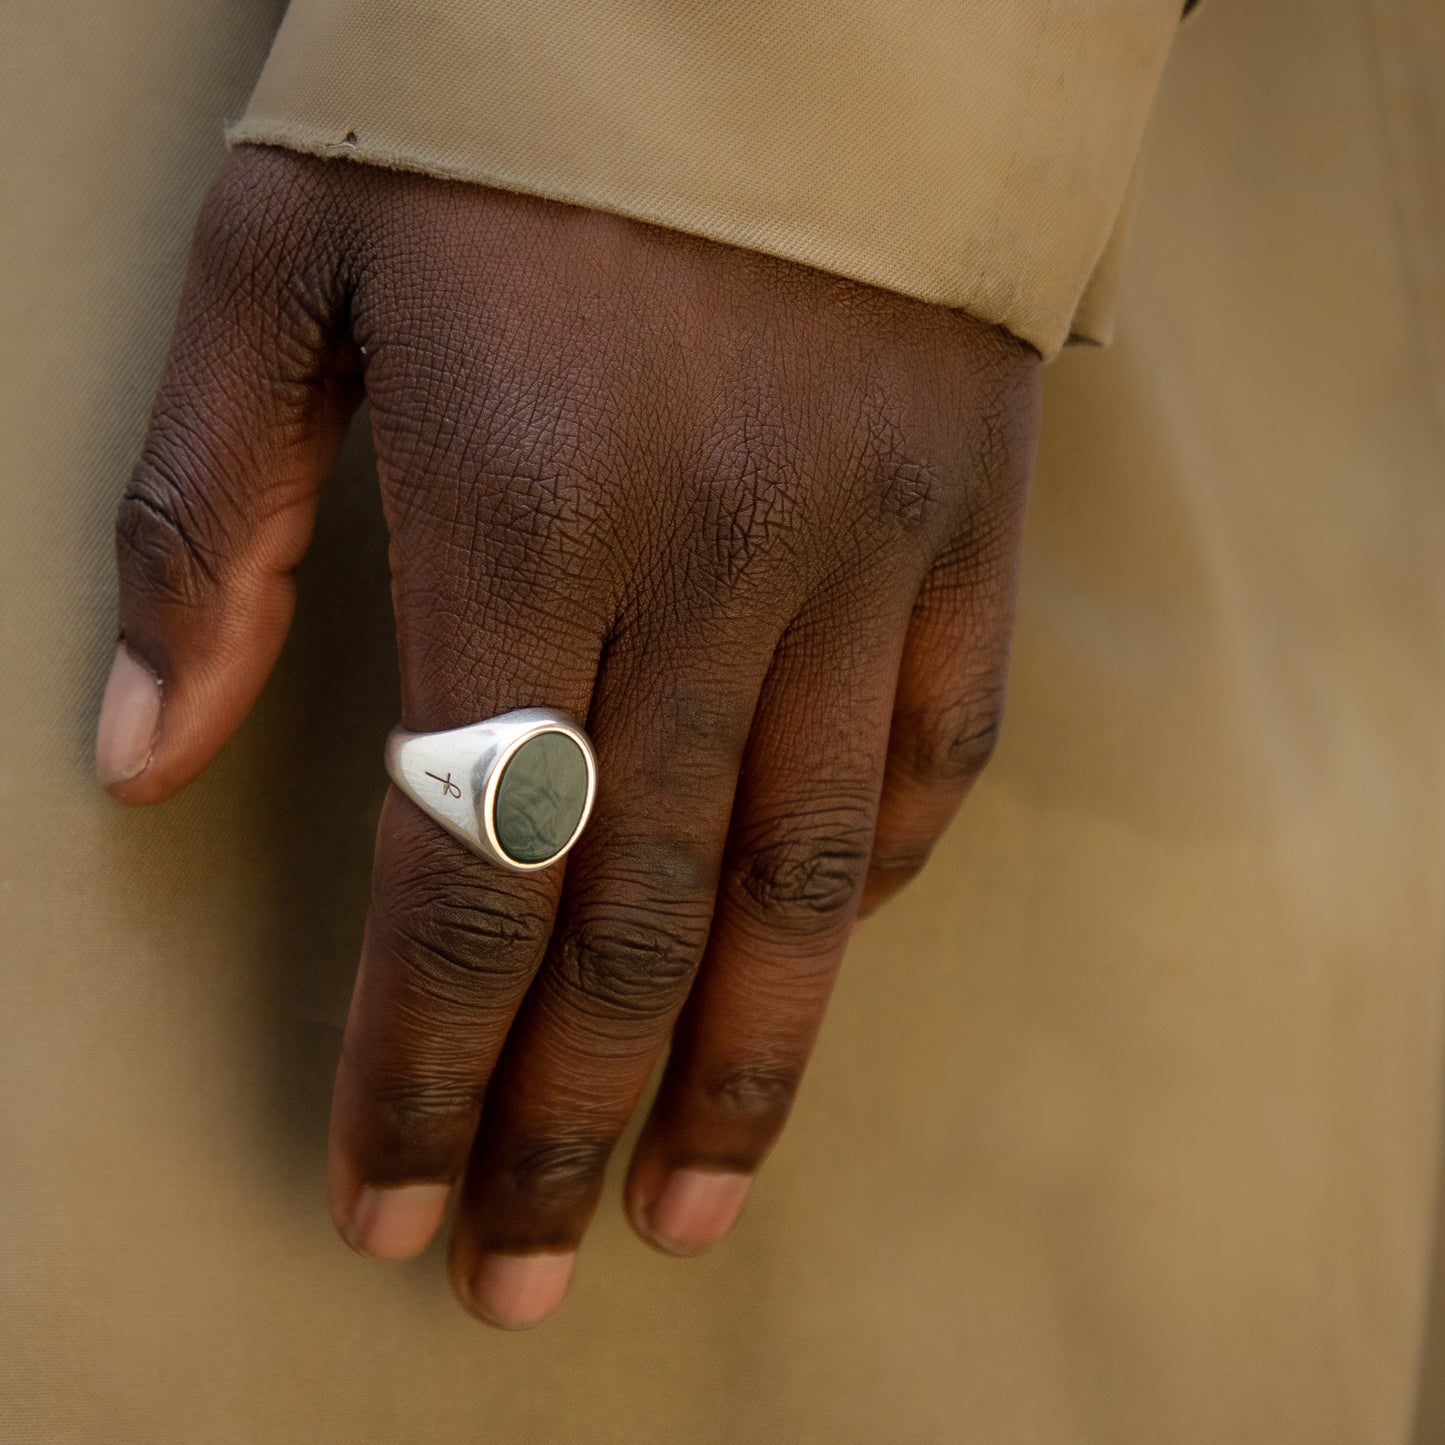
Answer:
(449, 788)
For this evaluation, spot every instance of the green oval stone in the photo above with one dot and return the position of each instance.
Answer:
(540, 798)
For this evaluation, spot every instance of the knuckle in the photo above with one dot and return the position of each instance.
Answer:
(163, 532)
(750, 481)
(415, 1111)
(804, 875)
(903, 859)
(753, 526)
(952, 747)
(907, 488)
(707, 728)
(755, 1091)
(560, 1167)
(463, 947)
(631, 962)
(414, 1123)
(910, 494)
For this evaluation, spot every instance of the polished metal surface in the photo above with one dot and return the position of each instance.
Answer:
(516, 789)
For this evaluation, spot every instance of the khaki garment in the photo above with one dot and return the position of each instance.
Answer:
(969, 152)
(1125, 1125)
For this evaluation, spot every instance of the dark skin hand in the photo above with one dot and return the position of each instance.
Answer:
(756, 525)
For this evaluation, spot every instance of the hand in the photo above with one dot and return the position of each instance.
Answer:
(757, 525)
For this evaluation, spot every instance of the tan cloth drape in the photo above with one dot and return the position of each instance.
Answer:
(1124, 1128)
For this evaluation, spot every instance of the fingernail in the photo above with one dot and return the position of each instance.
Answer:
(129, 719)
(517, 1291)
(695, 1208)
(396, 1223)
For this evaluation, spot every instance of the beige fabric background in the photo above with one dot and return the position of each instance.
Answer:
(1125, 1125)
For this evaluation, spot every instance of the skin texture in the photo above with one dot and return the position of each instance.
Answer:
(759, 526)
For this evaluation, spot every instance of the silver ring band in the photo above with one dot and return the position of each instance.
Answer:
(516, 789)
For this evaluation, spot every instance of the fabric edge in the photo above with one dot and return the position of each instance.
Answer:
(1047, 343)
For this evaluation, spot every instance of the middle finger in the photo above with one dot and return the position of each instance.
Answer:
(669, 730)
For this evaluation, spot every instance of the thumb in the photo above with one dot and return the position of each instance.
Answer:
(251, 411)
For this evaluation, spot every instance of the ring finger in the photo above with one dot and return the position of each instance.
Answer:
(797, 857)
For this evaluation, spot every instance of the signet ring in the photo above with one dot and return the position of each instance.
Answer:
(517, 789)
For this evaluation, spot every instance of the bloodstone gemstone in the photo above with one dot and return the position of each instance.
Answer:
(540, 798)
